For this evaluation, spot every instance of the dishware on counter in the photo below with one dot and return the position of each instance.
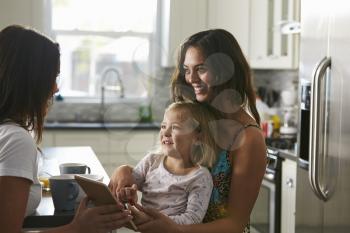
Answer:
(64, 191)
(44, 180)
(74, 168)
(47, 167)
(289, 111)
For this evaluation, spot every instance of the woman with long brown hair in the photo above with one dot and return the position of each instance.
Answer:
(212, 69)
(29, 66)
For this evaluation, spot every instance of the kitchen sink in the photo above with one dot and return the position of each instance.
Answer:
(123, 110)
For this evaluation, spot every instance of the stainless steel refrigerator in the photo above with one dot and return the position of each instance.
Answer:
(323, 175)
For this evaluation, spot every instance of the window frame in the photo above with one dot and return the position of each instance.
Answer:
(152, 37)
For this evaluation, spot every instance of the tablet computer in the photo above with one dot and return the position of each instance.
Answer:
(98, 193)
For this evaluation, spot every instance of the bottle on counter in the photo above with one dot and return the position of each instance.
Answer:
(145, 112)
(267, 128)
(276, 125)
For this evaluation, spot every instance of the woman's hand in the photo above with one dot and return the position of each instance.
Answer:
(121, 177)
(159, 223)
(100, 219)
(139, 216)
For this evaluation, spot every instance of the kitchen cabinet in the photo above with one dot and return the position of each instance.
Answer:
(179, 20)
(30, 13)
(233, 16)
(257, 26)
(288, 195)
(113, 147)
(269, 47)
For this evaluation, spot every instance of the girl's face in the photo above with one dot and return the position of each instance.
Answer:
(198, 75)
(178, 133)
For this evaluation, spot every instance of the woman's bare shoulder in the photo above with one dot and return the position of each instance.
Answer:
(249, 136)
(249, 155)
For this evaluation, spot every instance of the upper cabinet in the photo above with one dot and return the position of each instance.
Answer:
(32, 13)
(179, 20)
(232, 15)
(267, 30)
(274, 34)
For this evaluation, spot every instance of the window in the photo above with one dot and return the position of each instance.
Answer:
(105, 43)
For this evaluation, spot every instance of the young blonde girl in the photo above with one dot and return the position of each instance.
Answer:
(174, 179)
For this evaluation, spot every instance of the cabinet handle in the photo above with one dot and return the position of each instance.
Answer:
(289, 27)
(290, 183)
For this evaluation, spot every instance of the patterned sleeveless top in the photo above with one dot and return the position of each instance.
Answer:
(221, 173)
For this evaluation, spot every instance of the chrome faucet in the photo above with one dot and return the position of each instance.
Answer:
(118, 87)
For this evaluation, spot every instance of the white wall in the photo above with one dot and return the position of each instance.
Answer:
(26, 12)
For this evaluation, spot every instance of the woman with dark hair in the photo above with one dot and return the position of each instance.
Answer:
(212, 69)
(29, 66)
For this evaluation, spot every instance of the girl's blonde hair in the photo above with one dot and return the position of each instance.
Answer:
(204, 121)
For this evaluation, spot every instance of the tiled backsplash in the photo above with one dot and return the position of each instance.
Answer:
(276, 79)
(127, 110)
(122, 111)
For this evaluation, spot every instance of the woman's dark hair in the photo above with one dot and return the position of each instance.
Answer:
(225, 60)
(29, 65)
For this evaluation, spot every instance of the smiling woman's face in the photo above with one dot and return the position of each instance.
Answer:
(198, 75)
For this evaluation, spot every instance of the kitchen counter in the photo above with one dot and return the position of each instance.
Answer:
(45, 215)
(285, 147)
(288, 154)
(100, 125)
(285, 154)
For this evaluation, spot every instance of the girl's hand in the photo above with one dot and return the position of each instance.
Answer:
(128, 194)
(121, 177)
(99, 219)
(159, 223)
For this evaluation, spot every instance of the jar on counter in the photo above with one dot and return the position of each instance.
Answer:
(145, 113)
(267, 128)
(276, 125)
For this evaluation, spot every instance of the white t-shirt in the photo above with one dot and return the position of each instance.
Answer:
(184, 198)
(19, 158)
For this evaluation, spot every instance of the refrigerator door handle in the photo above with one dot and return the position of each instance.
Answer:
(317, 159)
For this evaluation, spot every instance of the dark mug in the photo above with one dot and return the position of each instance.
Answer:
(64, 191)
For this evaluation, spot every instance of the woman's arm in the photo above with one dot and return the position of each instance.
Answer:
(13, 201)
(249, 165)
(163, 224)
(248, 168)
(97, 219)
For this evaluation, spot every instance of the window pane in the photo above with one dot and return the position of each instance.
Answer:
(104, 15)
(85, 60)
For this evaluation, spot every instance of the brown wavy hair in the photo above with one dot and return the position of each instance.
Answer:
(225, 60)
(29, 65)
